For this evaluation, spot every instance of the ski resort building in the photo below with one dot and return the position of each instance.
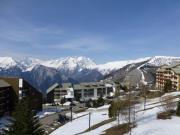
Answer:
(82, 91)
(57, 92)
(14, 89)
(171, 72)
(86, 91)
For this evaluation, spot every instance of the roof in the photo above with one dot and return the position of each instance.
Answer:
(66, 85)
(173, 65)
(176, 70)
(161, 69)
(78, 87)
(4, 84)
(88, 86)
(52, 87)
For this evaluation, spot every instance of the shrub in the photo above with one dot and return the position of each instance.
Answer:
(165, 115)
(100, 101)
(168, 103)
(167, 86)
(89, 103)
(112, 110)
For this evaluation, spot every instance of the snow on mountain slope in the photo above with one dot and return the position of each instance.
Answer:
(29, 63)
(163, 60)
(155, 61)
(80, 63)
(7, 62)
(107, 67)
(70, 63)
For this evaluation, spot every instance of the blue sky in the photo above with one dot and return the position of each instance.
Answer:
(104, 30)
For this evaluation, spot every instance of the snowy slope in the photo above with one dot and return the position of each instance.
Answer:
(81, 124)
(7, 62)
(70, 63)
(107, 67)
(147, 123)
(163, 60)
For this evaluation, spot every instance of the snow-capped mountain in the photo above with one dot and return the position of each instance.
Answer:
(7, 62)
(80, 63)
(115, 65)
(163, 60)
(70, 63)
(78, 69)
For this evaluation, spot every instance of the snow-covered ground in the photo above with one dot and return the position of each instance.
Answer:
(3, 122)
(147, 123)
(76, 115)
(81, 124)
(46, 112)
(151, 126)
(177, 93)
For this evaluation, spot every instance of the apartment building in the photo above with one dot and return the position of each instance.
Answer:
(56, 92)
(21, 88)
(86, 91)
(5, 98)
(82, 91)
(171, 72)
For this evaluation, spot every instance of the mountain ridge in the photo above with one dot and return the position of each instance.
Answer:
(80, 62)
(43, 73)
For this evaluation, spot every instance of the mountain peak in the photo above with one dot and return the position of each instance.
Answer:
(163, 60)
(7, 62)
(70, 63)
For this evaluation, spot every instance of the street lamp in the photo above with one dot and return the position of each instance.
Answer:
(71, 107)
(90, 121)
(90, 112)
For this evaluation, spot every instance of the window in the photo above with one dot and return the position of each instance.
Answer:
(89, 93)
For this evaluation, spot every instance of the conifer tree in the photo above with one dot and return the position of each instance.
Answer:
(24, 121)
(112, 110)
(167, 86)
(178, 109)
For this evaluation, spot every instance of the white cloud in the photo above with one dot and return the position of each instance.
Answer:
(17, 30)
(17, 35)
(84, 44)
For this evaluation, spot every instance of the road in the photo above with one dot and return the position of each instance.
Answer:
(50, 122)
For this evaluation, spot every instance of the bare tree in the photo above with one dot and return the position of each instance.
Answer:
(128, 113)
(168, 103)
(143, 87)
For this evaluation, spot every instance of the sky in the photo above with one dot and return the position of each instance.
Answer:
(103, 30)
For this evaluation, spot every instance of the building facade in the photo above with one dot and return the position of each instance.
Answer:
(165, 73)
(86, 91)
(79, 92)
(5, 98)
(57, 92)
(21, 88)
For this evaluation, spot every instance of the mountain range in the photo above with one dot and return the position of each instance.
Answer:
(43, 73)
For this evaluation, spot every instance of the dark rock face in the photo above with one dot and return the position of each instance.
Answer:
(43, 77)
